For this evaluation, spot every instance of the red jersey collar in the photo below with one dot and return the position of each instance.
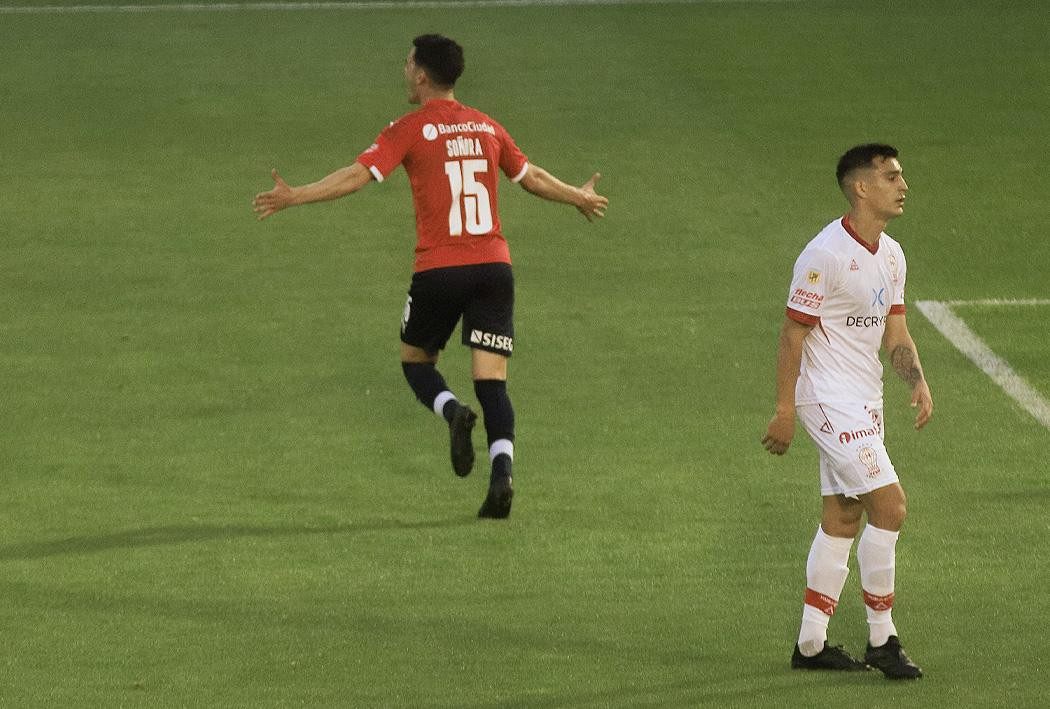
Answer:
(872, 248)
(441, 102)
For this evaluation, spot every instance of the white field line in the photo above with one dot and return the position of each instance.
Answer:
(942, 316)
(349, 5)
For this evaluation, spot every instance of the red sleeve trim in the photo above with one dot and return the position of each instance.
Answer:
(801, 317)
(897, 309)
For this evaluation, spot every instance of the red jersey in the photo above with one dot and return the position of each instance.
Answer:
(451, 153)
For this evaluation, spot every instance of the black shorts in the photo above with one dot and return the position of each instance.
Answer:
(483, 294)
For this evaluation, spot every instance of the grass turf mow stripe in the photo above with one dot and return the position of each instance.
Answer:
(363, 5)
(950, 325)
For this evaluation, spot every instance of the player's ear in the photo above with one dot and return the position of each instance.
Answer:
(858, 186)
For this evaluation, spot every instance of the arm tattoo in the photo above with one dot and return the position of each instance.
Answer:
(903, 360)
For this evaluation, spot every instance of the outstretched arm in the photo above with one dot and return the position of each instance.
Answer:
(781, 427)
(339, 184)
(543, 184)
(904, 357)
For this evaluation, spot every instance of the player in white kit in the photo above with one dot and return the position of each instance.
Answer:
(846, 301)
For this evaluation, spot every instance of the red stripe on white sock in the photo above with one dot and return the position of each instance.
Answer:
(824, 604)
(878, 603)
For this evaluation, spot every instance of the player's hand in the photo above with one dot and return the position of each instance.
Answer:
(593, 204)
(266, 203)
(779, 433)
(923, 400)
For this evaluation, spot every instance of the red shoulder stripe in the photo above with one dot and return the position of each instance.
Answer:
(801, 317)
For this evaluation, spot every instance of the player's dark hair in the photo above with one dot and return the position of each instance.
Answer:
(440, 57)
(862, 156)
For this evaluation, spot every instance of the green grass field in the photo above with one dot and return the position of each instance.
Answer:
(218, 490)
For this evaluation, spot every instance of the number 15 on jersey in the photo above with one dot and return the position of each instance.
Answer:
(469, 198)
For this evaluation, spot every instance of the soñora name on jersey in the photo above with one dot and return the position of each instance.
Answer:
(460, 147)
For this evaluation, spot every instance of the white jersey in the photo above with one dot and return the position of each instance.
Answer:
(845, 288)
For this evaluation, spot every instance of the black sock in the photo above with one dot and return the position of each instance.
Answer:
(499, 413)
(428, 384)
(499, 419)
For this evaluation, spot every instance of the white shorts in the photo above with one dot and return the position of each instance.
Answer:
(853, 458)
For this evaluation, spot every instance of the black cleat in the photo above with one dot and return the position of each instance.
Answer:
(890, 658)
(497, 503)
(832, 657)
(462, 448)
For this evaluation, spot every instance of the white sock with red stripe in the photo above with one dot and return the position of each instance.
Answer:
(876, 555)
(826, 571)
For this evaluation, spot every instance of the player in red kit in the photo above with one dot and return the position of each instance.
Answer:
(452, 153)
